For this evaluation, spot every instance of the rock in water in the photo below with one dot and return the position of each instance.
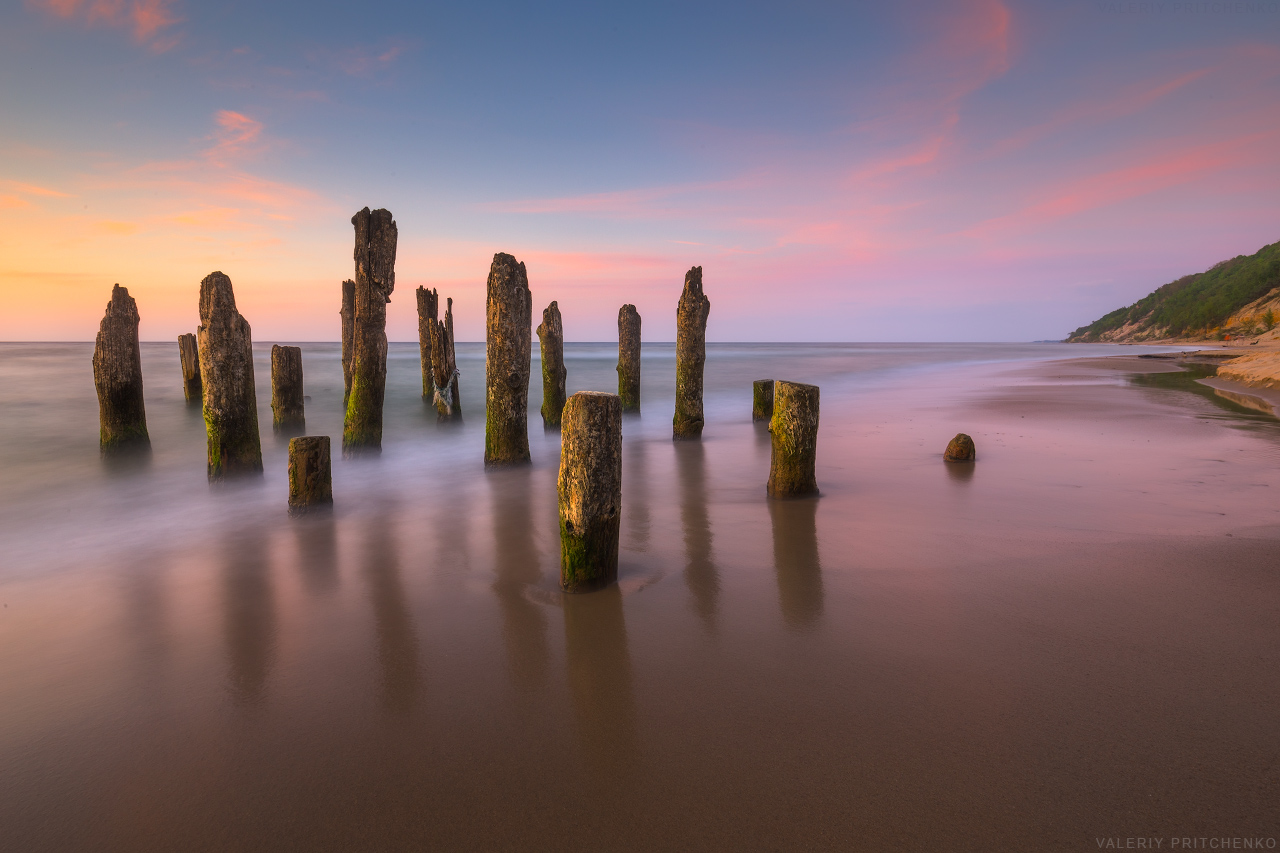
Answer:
(428, 308)
(551, 346)
(375, 257)
(508, 352)
(445, 368)
(189, 355)
(590, 491)
(117, 373)
(794, 429)
(761, 400)
(310, 474)
(348, 313)
(286, 389)
(629, 358)
(691, 356)
(960, 449)
(226, 369)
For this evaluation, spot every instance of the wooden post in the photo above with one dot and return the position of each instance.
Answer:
(444, 366)
(226, 369)
(287, 410)
(310, 474)
(189, 356)
(761, 400)
(590, 491)
(375, 257)
(629, 358)
(960, 449)
(348, 314)
(794, 429)
(551, 346)
(508, 352)
(117, 374)
(691, 356)
(428, 309)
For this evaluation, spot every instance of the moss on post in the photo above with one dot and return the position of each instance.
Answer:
(551, 348)
(508, 353)
(287, 410)
(310, 474)
(691, 356)
(629, 358)
(226, 370)
(117, 375)
(590, 491)
(794, 429)
(428, 310)
(189, 356)
(375, 256)
(762, 400)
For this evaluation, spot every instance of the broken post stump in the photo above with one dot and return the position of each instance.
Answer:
(508, 352)
(794, 430)
(428, 309)
(551, 346)
(375, 256)
(629, 358)
(960, 449)
(762, 400)
(117, 374)
(310, 474)
(348, 314)
(189, 356)
(287, 411)
(445, 368)
(691, 356)
(590, 491)
(226, 370)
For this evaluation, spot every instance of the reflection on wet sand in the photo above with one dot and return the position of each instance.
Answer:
(960, 472)
(599, 675)
(700, 572)
(146, 620)
(317, 534)
(635, 499)
(524, 626)
(796, 561)
(397, 640)
(249, 613)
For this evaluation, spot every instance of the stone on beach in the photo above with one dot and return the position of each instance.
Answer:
(794, 431)
(310, 474)
(117, 374)
(691, 356)
(590, 491)
(375, 257)
(761, 400)
(444, 367)
(226, 371)
(189, 356)
(508, 353)
(960, 449)
(629, 358)
(287, 410)
(428, 311)
(551, 347)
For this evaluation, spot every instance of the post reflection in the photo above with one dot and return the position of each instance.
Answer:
(524, 625)
(700, 574)
(599, 675)
(796, 561)
(317, 535)
(147, 622)
(635, 499)
(249, 612)
(397, 640)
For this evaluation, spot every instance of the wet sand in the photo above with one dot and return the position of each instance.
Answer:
(1075, 638)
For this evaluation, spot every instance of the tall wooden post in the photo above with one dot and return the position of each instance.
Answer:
(551, 347)
(310, 474)
(117, 374)
(590, 491)
(445, 367)
(226, 368)
(762, 400)
(691, 356)
(629, 358)
(508, 353)
(348, 314)
(189, 356)
(375, 257)
(794, 429)
(287, 410)
(428, 308)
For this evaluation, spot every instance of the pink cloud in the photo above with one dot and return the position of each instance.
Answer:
(148, 19)
(235, 136)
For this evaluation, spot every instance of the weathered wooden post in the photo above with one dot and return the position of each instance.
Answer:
(551, 346)
(960, 449)
(117, 373)
(189, 356)
(590, 491)
(348, 314)
(445, 367)
(428, 309)
(508, 352)
(310, 474)
(287, 411)
(629, 358)
(226, 370)
(761, 400)
(375, 257)
(691, 356)
(794, 429)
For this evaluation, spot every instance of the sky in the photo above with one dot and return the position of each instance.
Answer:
(959, 171)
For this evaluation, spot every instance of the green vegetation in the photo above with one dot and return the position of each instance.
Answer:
(1193, 305)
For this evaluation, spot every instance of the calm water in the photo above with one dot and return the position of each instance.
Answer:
(1061, 642)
